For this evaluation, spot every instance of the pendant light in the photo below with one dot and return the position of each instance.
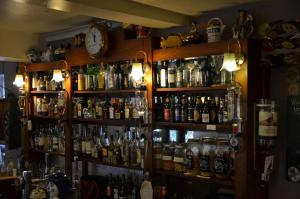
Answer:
(19, 79)
(57, 75)
(232, 60)
(138, 68)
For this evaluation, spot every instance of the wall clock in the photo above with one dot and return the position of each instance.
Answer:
(96, 40)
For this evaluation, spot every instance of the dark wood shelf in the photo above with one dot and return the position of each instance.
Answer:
(45, 92)
(228, 183)
(193, 50)
(194, 126)
(108, 92)
(44, 117)
(212, 89)
(49, 152)
(36, 67)
(97, 161)
(109, 122)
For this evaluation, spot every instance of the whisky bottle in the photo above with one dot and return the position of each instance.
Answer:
(179, 75)
(45, 105)
(112, 109)
(197, 110)
(177, 109)
(105, 148)
(184, 116)
(167, 109)
(101, 77)
(213, 111)
(117, 110)
(127, 110)
(106, 107)
(205, 112)
(190, 109)
(171, 74)
(164, 75)
(55, 136)
(109, 188)
(99, 110)
(220, 112)
(198, 80)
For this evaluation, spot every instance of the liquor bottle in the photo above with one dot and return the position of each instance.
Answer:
(117, 114)
(190, 109)
(117, 77)
(125, 146)
(164, 75)
(101, 77)
(111, 81)
(55, 145)
(167, 109)
(41, 140)
(76, 141)
(198, 80)
(213, 111)
(207, 73)
(197, 110)
(79, 107)
(81, 79)
(172, 74)
(123, 190)
(83, 140)
(177, 109)
(34, 82)
(111, 148)
(185, 74)
(205, 112)
(125, 69)
(122, 108)
(117, 149)
(111, 109)
(172, 105)
(44, 83)
(109, 188)
(106, 107)
(133, 150)
(220, 112)
(94, 143)
(135, 109)
(158, 105)
(116, 188)
(47, 84)
(100, 142)
(225, 110)
(105, 148)
(184, 106)
(99, 110)
(158, 68)
(127, 110)
(179, 75)
(41, 84)
(45, 110)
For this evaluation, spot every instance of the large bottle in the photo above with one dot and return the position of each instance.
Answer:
(167, 109)
(205, 112)
(190, 109)
(177, 109)
(164, 75)
(109, 187)
(172, 74)
(179, 75)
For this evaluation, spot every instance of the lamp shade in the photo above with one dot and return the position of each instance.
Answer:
(230, 62)
(57, 75)
(137, 71)
(19, 81)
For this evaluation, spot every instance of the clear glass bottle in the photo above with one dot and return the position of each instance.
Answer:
(197, 72)
(179, 75)
(172, 74)
(164, 75)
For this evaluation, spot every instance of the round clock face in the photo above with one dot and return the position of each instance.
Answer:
(94, 41)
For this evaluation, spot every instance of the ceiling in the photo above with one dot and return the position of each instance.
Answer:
(39, 16)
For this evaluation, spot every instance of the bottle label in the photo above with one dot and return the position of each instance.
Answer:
(55, 142)
(177, 115)
(171, 77)
(178, 159)
(41, 141)
(117, 116)
(75, 146)
(79, 110)
(83, 147)
(127, 113)
(190, 114)
(205, 118)
(158, 156)
(166, 157)
(108, 191)
(267, 124)
(99, 111)
(104, 152)
(111, 113)
(167, 114)
(135, 114)
(196, 116)
(88, 147)
(163, 82)
(138, 156)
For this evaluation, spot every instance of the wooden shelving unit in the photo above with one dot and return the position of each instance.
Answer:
(228, 183)
(97, 161)
(213, 89)
(193, 126)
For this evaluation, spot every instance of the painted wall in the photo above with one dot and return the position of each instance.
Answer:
(14, 44)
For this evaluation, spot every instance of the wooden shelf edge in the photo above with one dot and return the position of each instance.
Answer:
(44, 117)
(198, 89)
(49, 152)
(109, 122)
(45, 92)
(195, 126)
(97, 161)
(104, 92)
(228, 183)
(36, 67)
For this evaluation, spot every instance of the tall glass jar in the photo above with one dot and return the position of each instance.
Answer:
(192, 156)
(179, 159)
(167, 158)
(222, 159)
(207, 154)
(157, 156)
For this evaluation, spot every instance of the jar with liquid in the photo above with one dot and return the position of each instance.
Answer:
(207, 153)
(167, 158)
(222, 159)
(192, 156)
(179, 159)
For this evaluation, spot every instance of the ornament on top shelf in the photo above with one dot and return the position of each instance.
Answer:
(243, 26)
(215, 28)
(171, 41)
(191, 37)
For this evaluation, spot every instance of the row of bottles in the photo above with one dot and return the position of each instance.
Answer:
(104, 77)
(122, 187)
(49, 138)
(44, 82)
(50, 106)
(191, 72)
(119, 148)
(194, 109)
(129, 108)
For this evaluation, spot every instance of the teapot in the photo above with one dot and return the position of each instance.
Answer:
(215, 28)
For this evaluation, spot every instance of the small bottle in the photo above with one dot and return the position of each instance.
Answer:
(205, 113)
(81, 80)
(167, 109)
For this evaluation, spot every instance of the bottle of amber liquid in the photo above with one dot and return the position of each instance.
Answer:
(81, 80)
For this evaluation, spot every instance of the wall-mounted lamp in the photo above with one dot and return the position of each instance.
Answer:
(57, 75)
(232, 60)
(138, 69)
(19, 79)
